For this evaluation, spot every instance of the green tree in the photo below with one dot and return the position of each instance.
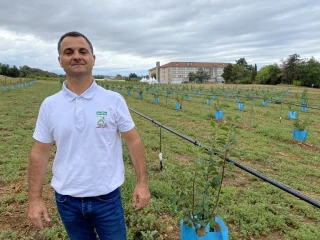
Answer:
(310, 73)
(269, 74)
(254, 73)
(153, 75)
(4, 69)
(242, 62)
(98, 76)
(14, 72)
(132, 75)
(242, 72)
(290, 68)
(25, 71)
(192, 76)
(227, 73)
(202, 76)
(238, 73)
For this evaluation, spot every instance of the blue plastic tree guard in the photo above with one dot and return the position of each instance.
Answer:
(292, 115)
(300, 135)
(188, 233)
(219, 114)
(264, 103)
(241, 106)
(208, 101)
(177, 107)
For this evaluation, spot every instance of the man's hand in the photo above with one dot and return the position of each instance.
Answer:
(37, 213)
(141, 196)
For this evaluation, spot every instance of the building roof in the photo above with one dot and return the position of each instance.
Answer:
(193, 64)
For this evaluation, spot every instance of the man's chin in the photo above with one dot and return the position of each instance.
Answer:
(78, 73)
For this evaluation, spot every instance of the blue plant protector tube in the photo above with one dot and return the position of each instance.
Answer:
(292, 115)
(300, 135)
(219, 114)
(188, 233)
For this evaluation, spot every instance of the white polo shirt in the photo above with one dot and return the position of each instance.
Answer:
(86, 130)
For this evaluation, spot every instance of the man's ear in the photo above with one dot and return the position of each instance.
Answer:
(94, 59)
(59, 61)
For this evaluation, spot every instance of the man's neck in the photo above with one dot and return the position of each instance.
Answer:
(79, 84)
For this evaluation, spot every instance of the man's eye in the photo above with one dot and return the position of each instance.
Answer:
(68, 53)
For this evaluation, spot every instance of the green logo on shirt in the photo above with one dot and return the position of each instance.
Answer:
(101, 119)
(101, 113)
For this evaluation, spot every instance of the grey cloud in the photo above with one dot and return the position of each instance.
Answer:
(195, 30)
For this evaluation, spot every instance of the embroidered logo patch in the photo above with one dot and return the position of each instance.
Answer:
(101, 122)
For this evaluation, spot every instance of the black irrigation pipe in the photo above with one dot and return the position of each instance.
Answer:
(257, 174)
(300, 105)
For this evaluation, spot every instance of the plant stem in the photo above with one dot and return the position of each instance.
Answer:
(193, 193)
(220, 186)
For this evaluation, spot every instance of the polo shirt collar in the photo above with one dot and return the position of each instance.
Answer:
(86, 94)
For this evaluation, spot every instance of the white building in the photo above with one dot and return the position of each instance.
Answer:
(177, 72)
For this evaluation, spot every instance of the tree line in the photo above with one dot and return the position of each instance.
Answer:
(25, 72)
(292, 70)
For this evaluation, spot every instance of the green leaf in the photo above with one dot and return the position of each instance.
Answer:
(212, 223)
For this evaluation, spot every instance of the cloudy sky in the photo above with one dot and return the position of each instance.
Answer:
(130, 36)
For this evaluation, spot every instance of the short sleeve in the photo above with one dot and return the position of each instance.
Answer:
(42, 131)
(123, 117)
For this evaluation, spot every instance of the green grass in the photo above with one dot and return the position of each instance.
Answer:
(251, 208)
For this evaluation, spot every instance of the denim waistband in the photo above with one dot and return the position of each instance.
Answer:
(114, 193)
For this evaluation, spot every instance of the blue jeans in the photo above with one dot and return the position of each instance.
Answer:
(84, 218)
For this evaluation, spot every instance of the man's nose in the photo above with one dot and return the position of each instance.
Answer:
(76, 55)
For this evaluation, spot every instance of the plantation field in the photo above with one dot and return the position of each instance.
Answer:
(251, 208)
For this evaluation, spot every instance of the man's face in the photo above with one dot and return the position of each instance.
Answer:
(76, 57)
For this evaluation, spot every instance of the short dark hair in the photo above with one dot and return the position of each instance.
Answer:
(74, 34)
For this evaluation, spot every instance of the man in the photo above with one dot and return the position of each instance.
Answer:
(85, 121)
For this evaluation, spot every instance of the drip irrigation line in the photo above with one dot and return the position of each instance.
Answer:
(247, 169)
(300, 105)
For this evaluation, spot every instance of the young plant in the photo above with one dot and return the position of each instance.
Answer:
(291, 108)
(179, 99)
(265, 97)
(300, 124)
(198, 192)
(304, 94)
(217, 106)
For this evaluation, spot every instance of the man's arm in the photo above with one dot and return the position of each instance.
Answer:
(39, 158)
(141, 193)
